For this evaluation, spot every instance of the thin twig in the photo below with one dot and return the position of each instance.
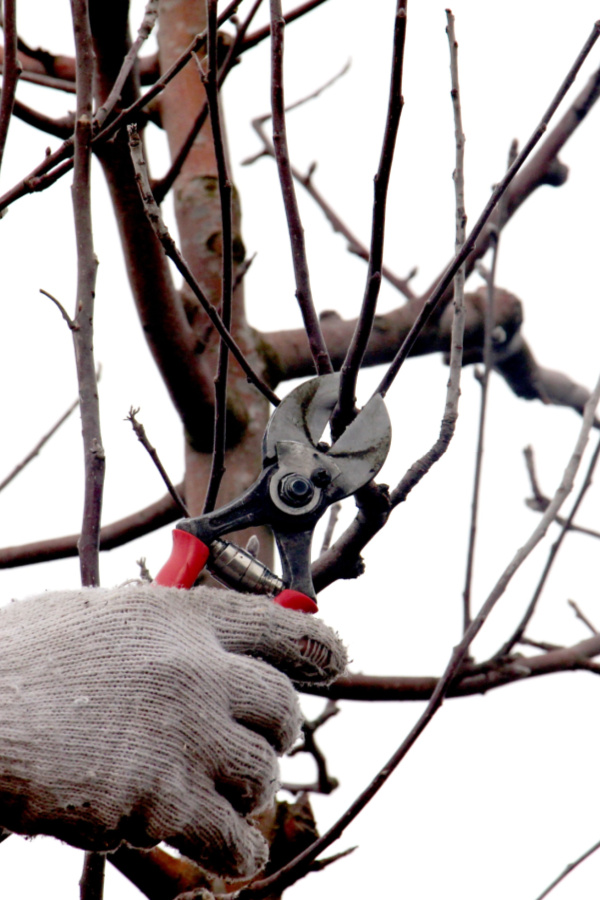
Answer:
(485, 379)
(488, 676)
(539, 501)
(72, 323)
(92, 879)
(325, 783)
(46, 174)
(162, 232)
(138, 524)
(334, 513)
(11, 70)
(60, 128)
(364, 324)
(568, 869)
(140, 433)
(305, 179)
(260, 34)
(148, 22)
(581, 616)
(158, 87)
(295, 869)
(552, 554)
(83, 335)
(42, 441)
(448, 425)
(316, 341)
(59, 84)
(437, 294)
(91, 883)
(225, 194)
(162, 186)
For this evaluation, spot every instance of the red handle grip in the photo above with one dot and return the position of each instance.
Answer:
(188, 558)
(296, 600)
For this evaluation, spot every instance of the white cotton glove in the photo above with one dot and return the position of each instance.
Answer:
(146, 714)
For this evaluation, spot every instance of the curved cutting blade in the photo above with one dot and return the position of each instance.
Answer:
(362, 449)
(303, 414)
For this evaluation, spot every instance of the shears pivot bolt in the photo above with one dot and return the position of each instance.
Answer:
(296, 490)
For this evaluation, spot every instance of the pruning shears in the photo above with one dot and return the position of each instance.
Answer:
(301, 477)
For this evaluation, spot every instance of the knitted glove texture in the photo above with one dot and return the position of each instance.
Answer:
(147, 714)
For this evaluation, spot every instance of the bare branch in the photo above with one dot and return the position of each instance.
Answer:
(42, 441)
(437, 294)
(140, 433)
(448, 425)
(161, 187)
(70, 322)
(539, 502)
(364, 325)
(225, 194)
(60, 161)
(91, 883)
(94, 460)
(583, 618)
(334, 513)
(325, 784)
(290, 873)
(60, 128)
(568, 869)
(303, 291)
(552, 554)
(306, 180)
(485, 378)
(260, 34)
(470, 681)
(144, 31)
(136, 525)
(11, 69)
(161, 231)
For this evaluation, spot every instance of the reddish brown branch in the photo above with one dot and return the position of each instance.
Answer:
(490, 675)
(552, 554)
(437, 295)
(261, 33)
(40, 444)
(61, 128)
(140, 433)
(316, 342)
(364, 325)
(225, 195)
(160, 188)
(153, 213)
(145, 521)
(83, 334)
(11, 70)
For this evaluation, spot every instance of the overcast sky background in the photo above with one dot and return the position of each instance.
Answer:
(502, 791)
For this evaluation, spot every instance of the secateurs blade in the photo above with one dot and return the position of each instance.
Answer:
(300, 478)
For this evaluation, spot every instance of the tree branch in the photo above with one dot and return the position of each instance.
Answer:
(11, 70)
(136, 525)
(94, 460)
(364, 325)
(303, 291)
(437, 295)
(489, 676)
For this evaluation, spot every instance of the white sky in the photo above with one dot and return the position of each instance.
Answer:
(501, 792)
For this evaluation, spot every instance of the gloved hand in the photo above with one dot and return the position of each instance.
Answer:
(146, 714)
